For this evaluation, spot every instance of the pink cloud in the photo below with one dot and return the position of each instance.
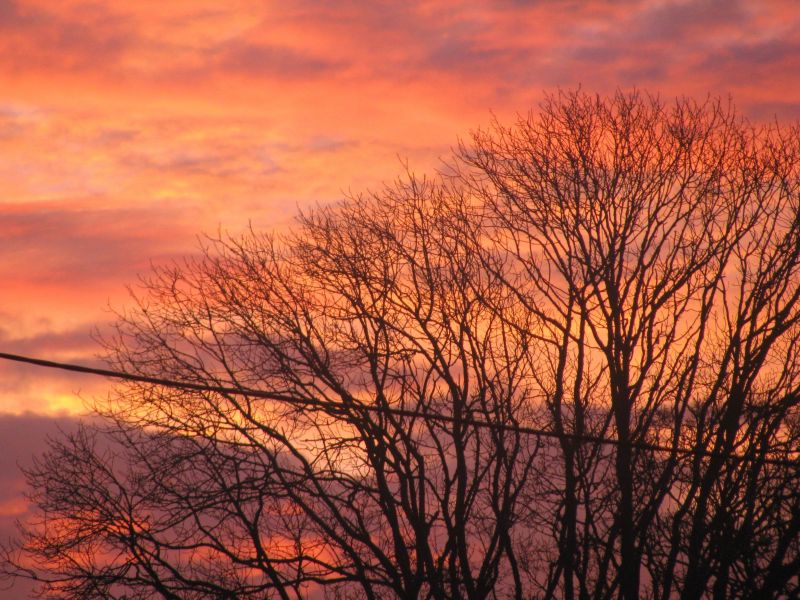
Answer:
(37, 37)
(65, 242)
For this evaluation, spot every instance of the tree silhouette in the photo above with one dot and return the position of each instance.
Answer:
(616, 273)
(659, 251)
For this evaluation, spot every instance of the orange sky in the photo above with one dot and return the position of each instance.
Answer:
(127, 128)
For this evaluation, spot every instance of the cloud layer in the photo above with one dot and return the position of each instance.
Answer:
(128, 128)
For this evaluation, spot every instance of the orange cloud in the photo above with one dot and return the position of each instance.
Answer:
(128, 128)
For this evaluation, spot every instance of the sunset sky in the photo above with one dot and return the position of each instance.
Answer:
(127, 129)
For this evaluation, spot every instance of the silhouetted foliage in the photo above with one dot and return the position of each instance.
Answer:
(608, 268)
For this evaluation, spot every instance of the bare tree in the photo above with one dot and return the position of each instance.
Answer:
(566, 368)
(659, 247)
(377, 303)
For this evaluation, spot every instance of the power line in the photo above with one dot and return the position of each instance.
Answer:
(343, 407)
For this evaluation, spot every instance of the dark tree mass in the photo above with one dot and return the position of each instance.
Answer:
(621, 274)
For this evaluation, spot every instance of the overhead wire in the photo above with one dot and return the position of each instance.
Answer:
(342, 407)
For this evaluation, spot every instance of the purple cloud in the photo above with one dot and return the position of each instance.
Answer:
(22, 437)
(58, 243)
(90, 37)
(265, 60)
